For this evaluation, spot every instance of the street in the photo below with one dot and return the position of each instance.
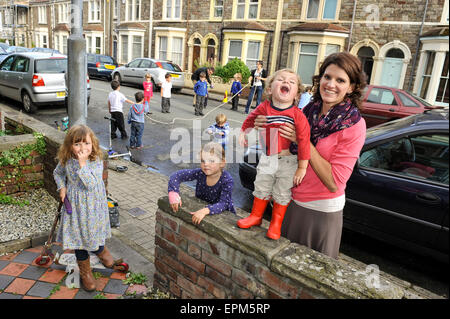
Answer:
(156, 155)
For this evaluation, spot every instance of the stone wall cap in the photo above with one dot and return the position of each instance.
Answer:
(245, 26)
(436, 32)
(311, 26)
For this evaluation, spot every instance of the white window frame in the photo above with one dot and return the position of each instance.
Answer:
(115, 8)
(321, 11)
(135, 13)
(140, 54)
(130, 34)
(301, 53)
(180, 53)
(42, 15)
(213, 10)
(165, 49)
(63, 13)
(247, 59)
(239, 5)
(44, 40)
(94, 11)
(170, 14)
(231, 57)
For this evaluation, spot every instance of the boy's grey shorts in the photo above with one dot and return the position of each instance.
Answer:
(275, 177)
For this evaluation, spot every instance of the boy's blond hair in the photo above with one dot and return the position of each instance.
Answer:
(239, 76)
(272, 77)
(221, 119)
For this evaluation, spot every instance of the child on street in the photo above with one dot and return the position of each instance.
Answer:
(166, 89)
(136, 119)
(220, 130)
(78, 176)
(201, 92)
(115, 107)
(214, 184)
(235, 88)
(148, 88)
(278, 169)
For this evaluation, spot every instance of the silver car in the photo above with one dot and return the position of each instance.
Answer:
(134, 72)
(35, 78)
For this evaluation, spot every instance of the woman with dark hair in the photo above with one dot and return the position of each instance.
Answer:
(314, 216)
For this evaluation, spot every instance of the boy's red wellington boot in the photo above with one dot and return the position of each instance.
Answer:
(255, 218)
(278, 212)
(87, 278)
(106, 258)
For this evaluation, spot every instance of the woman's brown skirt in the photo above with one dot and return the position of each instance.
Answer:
(315, 229)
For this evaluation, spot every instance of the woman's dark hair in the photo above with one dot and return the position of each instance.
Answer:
(352, 66)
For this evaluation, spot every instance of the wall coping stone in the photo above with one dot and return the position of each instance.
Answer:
(10, 142)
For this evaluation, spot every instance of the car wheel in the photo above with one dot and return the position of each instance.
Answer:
(28, 104)
(118, 78)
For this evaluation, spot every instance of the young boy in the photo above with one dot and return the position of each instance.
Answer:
(166, 88)
(115, 107)
(137, 120)
(220, 130)
(235, 88)
(201, 92)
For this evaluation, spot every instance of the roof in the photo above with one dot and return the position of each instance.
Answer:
(436, 32)
(243, 25)
(310, 26)
(93, 27)
(131, 25)
(62, 27)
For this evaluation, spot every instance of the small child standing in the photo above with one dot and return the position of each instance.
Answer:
(201, 92)
(214, 184)
(148, 88)
(220, 130)
(166, 89)
(78, 176)
(235, 88)
(278, 169)
(137, 120)
(115, 107)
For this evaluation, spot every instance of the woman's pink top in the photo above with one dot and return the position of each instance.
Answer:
(342, 150)
(148, 89)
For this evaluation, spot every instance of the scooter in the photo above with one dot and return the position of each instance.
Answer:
(111, 153)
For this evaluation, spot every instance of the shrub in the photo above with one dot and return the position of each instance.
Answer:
(227, 71)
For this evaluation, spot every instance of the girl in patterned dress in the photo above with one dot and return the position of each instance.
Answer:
(78, 176)
(214, 184)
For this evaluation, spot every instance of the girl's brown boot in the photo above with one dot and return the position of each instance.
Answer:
(106, 258)
(87, 279)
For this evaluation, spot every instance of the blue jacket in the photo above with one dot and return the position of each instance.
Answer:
(201, 88)
(137, 112)
(235, 87)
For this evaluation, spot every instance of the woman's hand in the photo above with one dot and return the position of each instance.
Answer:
(288, 131)
(260, 121)
(199, 215)
(62, 193)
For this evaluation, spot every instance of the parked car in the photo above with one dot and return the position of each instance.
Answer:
(382, 104)
(34, 78)
(134, 72)
(16, 49)
(399, 190)
(48, 50)
(101, 66)
(4, 46)
(3, 54)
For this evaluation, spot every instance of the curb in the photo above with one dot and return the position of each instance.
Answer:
(15, 245)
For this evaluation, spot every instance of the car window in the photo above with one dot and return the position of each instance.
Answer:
(381, 96)
(6, 65)
(170, 67)
(406, 100)
(55, 65)
(146, 64)
(20, 64)
(420, 156)
(134, 63)
(106, 59)
(91, 58)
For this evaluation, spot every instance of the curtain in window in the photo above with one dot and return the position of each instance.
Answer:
(177, 50)
(313, 9)
(235, 50)
(307, 62)
(163, 48)
(124, 40)
(252, 54)
(240, 9)
(137, 47)
(329, 10)
(253, 9)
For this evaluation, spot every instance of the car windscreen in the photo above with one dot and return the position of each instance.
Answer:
(420, 100)
(53, 65)
(170, 67)
(106, 59)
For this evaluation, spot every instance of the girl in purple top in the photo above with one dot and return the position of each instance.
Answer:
(214, 184)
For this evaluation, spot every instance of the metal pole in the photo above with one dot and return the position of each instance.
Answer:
(77, 68)
(351, 26)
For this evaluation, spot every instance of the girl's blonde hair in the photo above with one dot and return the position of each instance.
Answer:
(148, 75)
(76, 134)
(214, 149)
(221, 118)
(239, 76)
(272, 78)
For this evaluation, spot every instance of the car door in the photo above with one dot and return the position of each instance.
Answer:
(407, 105)
(399, 191)
(380, 106)
(144, 68)
(130, 73)
(5, 70)
(91, 64)
(18, 75)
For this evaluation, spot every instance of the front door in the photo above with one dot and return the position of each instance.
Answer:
(195, 57)
(392, 69)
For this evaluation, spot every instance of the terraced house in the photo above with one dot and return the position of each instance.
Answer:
(401, 43)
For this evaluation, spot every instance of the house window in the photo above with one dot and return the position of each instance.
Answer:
(322, 9)
(137, 47)
(253, 9)
(426, 77)
(89, 44)
(252, 54)
(445, 13)
(64, 44)
(218, 8)
(177, 50)
(235, 50)
(240, 9)
(307, 62)
(63, 12)
(124, 40)
(98, 45)
(133, 10)
(247, 9)
(42, 15)
(94, 11)
(442, 94)
(115, 8)
(173, 9)
(163, 48)
(331, 48)
(44, 41)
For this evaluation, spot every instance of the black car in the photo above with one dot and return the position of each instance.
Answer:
(398, 192)
(101, 66)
